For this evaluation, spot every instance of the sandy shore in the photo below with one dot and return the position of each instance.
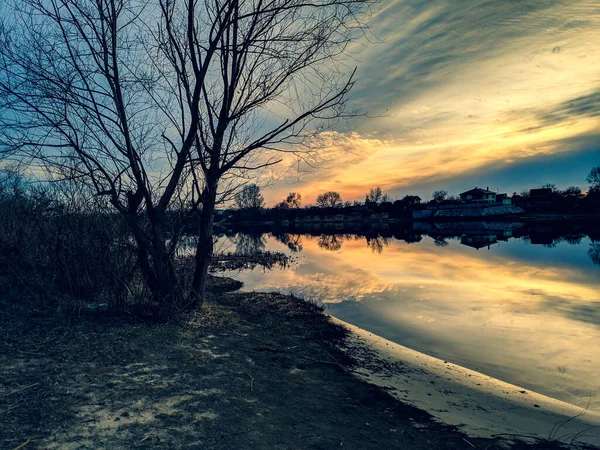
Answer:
(479, 405)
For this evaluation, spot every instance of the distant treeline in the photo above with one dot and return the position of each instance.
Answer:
(250, 204)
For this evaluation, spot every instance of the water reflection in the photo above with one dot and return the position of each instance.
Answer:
(330, 243)
(249, 244)
(292, 241)
(520, 311)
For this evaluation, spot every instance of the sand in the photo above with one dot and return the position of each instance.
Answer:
(479, 405)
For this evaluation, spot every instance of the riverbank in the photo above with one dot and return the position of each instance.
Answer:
(252, 371)
(479, 404)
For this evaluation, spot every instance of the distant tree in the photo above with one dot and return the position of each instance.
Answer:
(440, 196)
(249, 197)
(374, 195)
(572, 192)
(356, 203)
(292, 201)
(594, 178)
(329, 199)
(550, 186)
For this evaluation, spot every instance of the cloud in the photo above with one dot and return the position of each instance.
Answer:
(468, 86)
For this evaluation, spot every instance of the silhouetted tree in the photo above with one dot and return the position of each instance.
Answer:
(155, 104)
(571, 192)
(249, 197)
(593, 178)
(329, 199)
(292, 201)
(374, 195)
(440, 196)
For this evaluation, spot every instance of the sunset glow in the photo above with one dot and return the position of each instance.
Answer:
(466, 93)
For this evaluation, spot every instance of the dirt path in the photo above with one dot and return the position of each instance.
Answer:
(255, 371)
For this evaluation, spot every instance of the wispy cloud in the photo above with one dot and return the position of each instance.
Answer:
(467, 85)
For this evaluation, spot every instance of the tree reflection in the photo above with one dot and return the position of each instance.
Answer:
(376, 244)
(330, 242)
(440, 242)
(293, 241)
(594, 252)
(249, 244)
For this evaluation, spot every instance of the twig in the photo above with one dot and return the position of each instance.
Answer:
(148, 436)
(19, 390)
(558, 425)
(523, 436)
(581, 434)
(45, 341)
(23, 444)
(251, 382)
(468, 443)
(335, 363)
(10, 408)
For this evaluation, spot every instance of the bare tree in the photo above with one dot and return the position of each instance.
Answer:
(572, 191)
(163, 103)
(594, 178)
(76, 99)
(440, 196)
(249, 197)
(374, 195)
(329, 199)
(292, 201)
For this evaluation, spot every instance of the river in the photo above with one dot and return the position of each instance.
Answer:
(524, 312)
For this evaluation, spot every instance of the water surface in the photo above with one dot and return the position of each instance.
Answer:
(524, 313)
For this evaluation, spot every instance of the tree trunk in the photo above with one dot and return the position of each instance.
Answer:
(204, 250)
(159, 275)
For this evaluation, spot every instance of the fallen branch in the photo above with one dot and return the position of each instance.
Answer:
(23, 444)
(251, 382)
(19, 390)
(469, 443)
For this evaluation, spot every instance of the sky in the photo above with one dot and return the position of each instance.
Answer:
(502, 94)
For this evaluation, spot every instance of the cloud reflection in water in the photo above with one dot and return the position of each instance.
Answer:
(526, 319)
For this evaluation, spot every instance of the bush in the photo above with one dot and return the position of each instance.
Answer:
(62, 250)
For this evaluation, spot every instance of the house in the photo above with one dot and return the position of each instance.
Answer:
(504, 199)
(411, 200)
(478, 195)
(478, 241)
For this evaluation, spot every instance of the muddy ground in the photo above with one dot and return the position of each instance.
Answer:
(251, 371)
